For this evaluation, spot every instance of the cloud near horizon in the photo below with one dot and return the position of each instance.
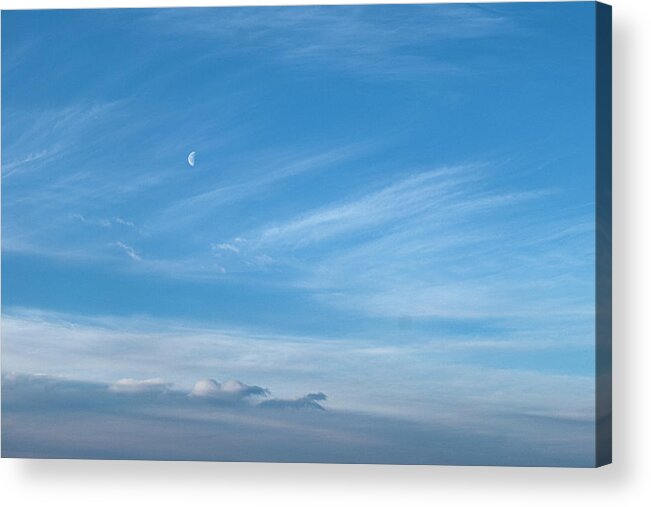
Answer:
(128, 385)
(310, 400)
(46, 416)
(230, 392)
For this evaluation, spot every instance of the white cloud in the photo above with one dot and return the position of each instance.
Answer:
(231, 390)
(277, 168)
(129, 251)
(225, 247)
(43, 136)
(344, 38)
(429, 245)
(408, 197)
(122, 221)
(434, 198)
(102, 222)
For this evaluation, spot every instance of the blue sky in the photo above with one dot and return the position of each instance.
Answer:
(392, 205)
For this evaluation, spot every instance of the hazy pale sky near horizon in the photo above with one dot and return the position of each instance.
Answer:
(392, 205)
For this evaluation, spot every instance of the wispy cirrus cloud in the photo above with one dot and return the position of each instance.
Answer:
(130, 251)
(431, 245)
(103, 222)
(268, 171)
(41, 136)
(74, 201)
(344, 37)
(227, 247)
(429, 196)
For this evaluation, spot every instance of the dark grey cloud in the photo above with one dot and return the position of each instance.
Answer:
(309, 401)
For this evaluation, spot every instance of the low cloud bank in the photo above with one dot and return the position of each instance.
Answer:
(54, 417)
(230, 392)
(128, 385)
(309, 401)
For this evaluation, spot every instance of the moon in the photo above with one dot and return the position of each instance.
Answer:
(191, 158)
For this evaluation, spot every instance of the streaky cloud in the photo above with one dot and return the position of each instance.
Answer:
(131, 386)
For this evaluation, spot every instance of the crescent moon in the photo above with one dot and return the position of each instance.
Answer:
(191, 158)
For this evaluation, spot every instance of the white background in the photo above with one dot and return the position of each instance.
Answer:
(626, 482)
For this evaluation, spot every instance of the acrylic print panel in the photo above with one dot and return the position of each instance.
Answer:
(349, 234)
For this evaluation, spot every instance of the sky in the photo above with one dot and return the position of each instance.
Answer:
(388, 230)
